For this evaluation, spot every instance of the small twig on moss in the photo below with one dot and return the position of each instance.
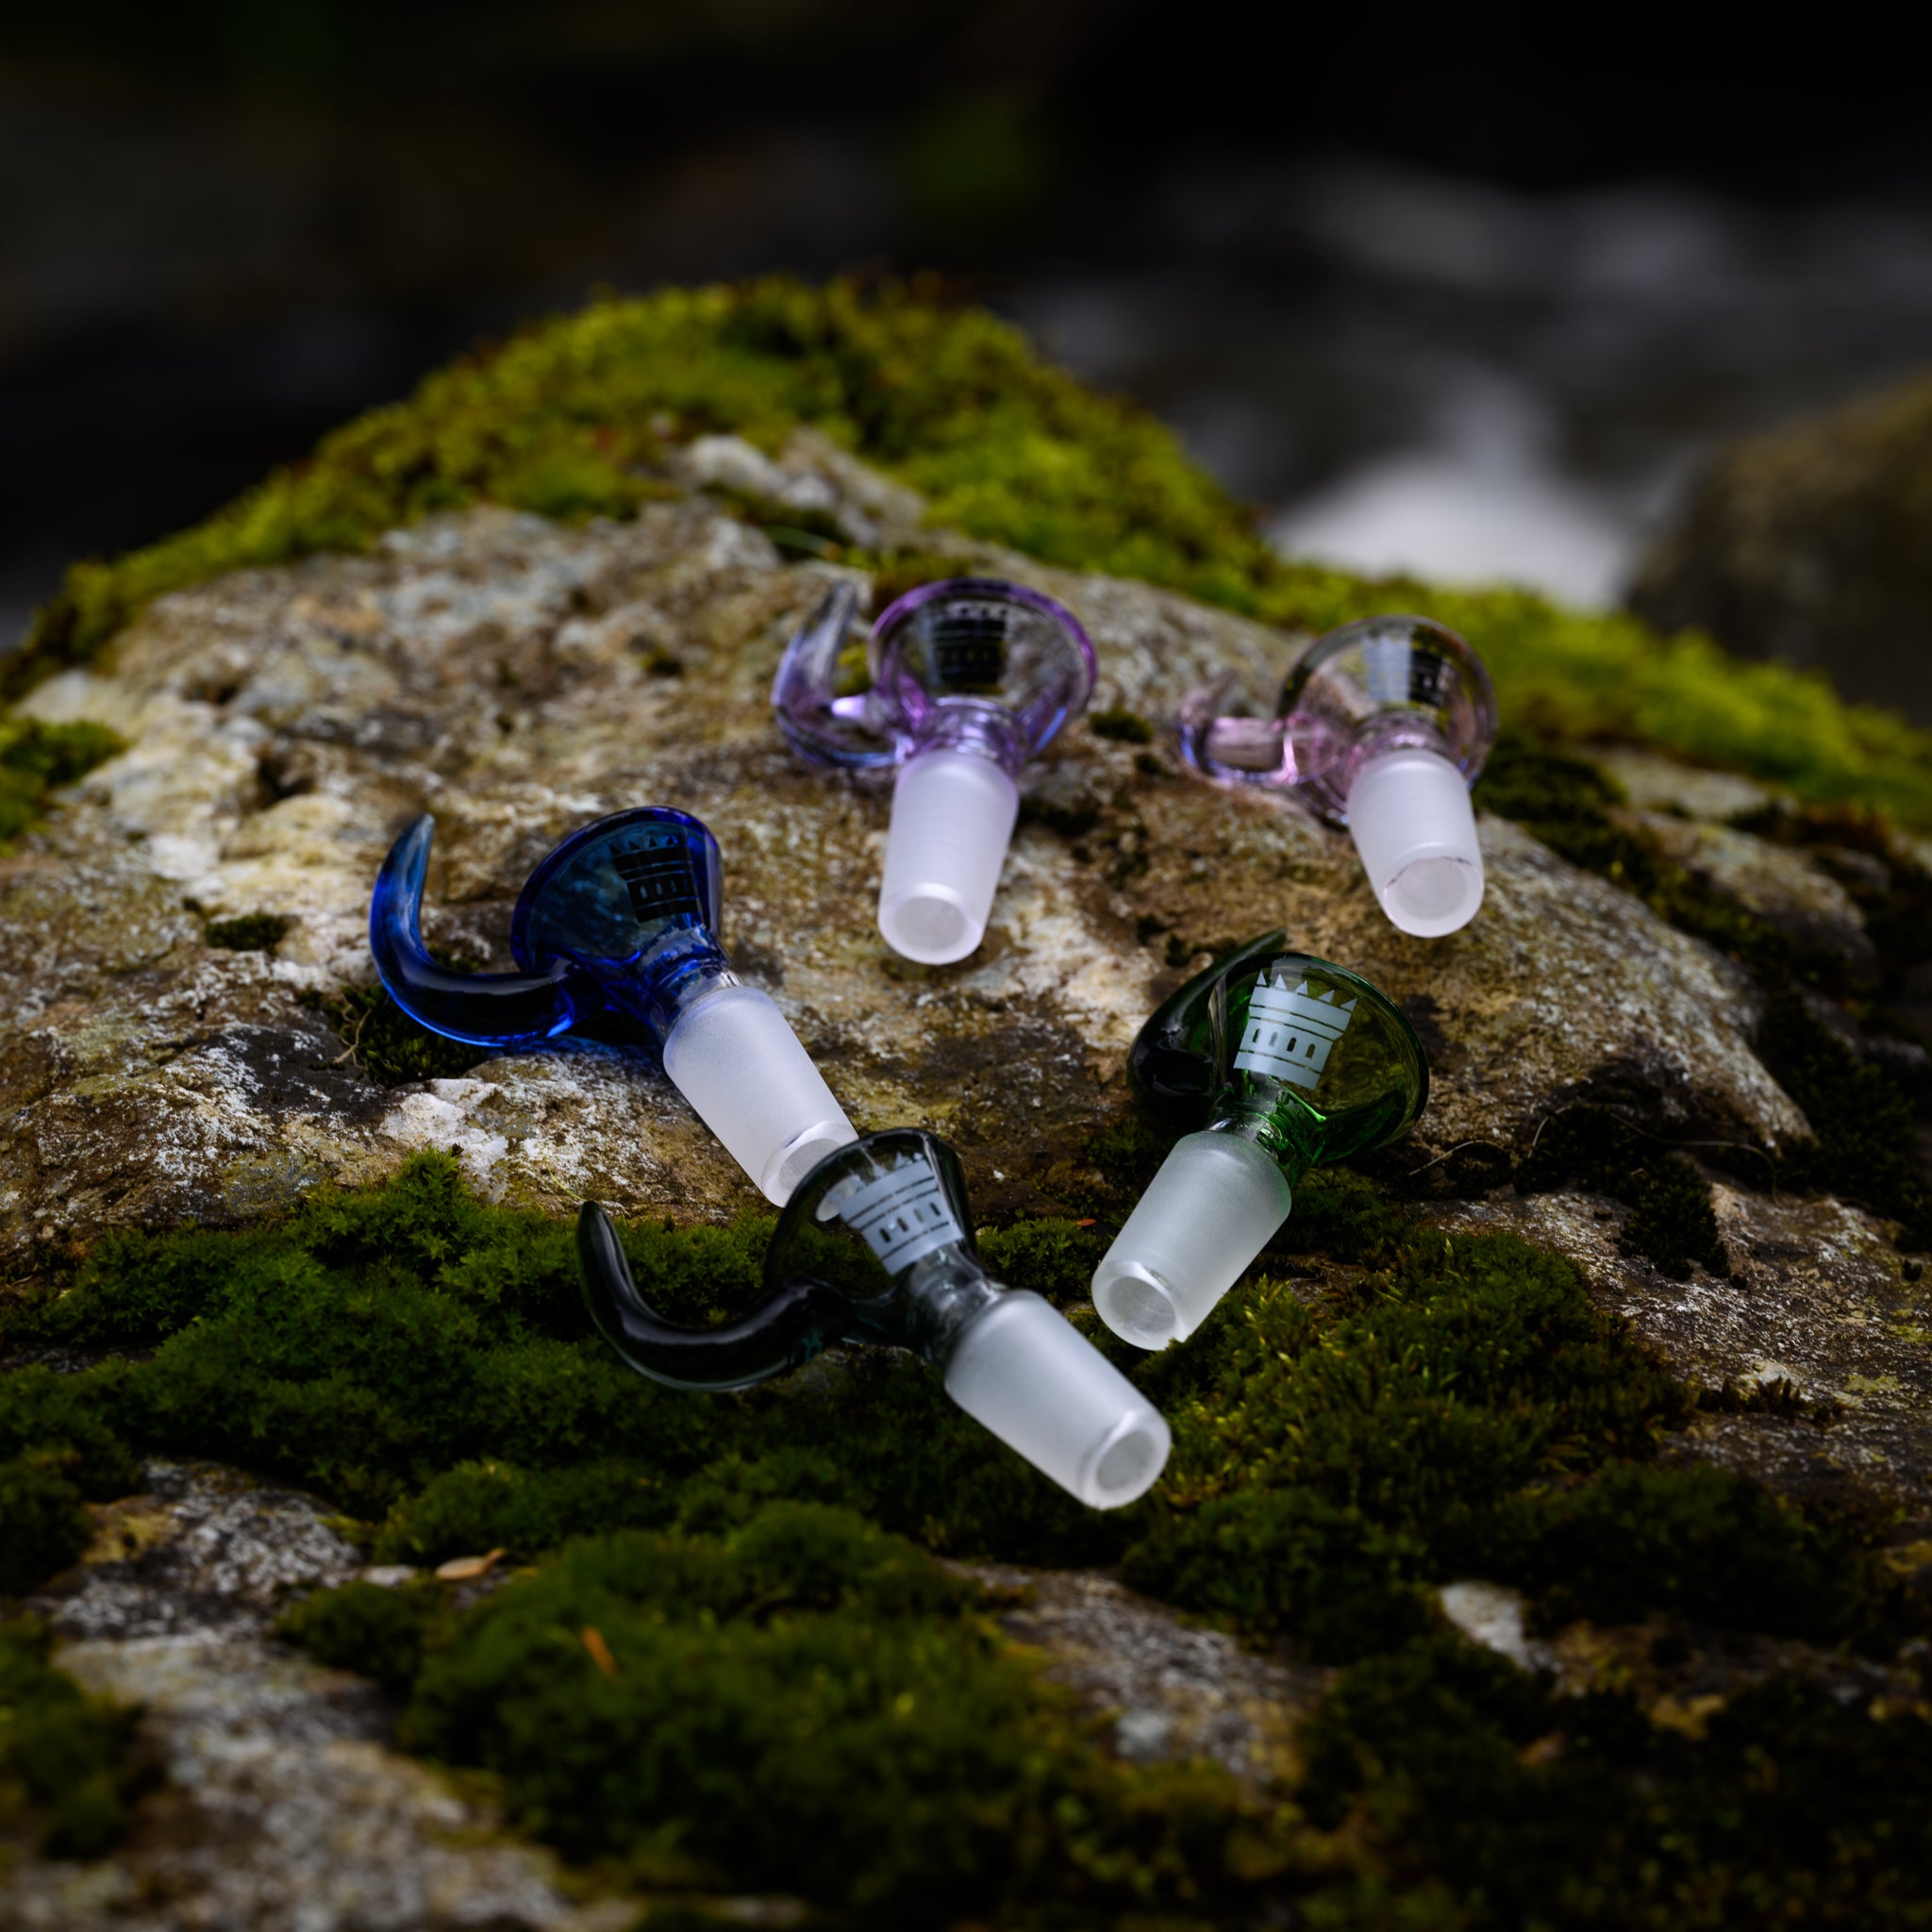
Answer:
(1645, 1133)
(1457, 1149)
(348, 1053)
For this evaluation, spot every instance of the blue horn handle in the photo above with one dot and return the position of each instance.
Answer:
(504, 1010)
(783, 1335)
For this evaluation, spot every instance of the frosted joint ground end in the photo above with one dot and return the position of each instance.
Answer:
(953, 817)
(1204, 1218)
(735, 1059)
(1024, 1371)
(1411, 821)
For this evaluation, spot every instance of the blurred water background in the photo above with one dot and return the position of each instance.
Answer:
(1456, 294)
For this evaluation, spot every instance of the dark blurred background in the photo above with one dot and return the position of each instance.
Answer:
(1454, 290)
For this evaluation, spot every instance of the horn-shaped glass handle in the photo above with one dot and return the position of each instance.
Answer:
(818, 717)
(501, 1009)
(620, 918)
(792, 1326)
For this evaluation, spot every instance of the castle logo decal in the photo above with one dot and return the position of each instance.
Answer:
(1289, 1035)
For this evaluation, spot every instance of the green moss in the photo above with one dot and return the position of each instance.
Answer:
(897, 572)
(1121, 726)
(67, 1765)
(490, 1504)
(803, 1706)
(388, 1046)
(1466, 1794)
(46, 1527)
(1053, 1258)
(249, 932)
(36, 759)
(1671, 1223)
(571, 418)
(362, 1626)
(1866, 1145)
(378, 1341)
(1695, 1542)
(803, 1698)
(1672, 1220)
(1329, 1464)
(1892, 890)
(51, 1419)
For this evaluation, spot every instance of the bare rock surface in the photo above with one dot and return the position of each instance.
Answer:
(284, 1803)
(1817, 1300)
(1170, 1689)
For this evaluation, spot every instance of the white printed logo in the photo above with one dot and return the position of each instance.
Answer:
(1289, 1034)
(1387, 660)
(903, 1215)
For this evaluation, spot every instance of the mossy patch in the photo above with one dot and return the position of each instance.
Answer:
(802, 1705)
(380, 1633)
(574, 417)
(391, 1048)
(1861, 1116)
(758, 1568)
(1120, 725)
(1865, 1148)
(248, 932)
(46, 1528)
(36, 759)
(1464, 1793)
(68, 1768)
(1672, 1222)
(1459, 1409)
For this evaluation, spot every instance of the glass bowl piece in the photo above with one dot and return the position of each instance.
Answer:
(876, 1246)
(1382, 726)
(977, 663)
(967, 680)
(1302, 1062)
(621, 918)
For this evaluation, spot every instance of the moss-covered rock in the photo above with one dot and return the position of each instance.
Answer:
(36, 759)
(589, 415)
(1623, 1334)
(1808, 546)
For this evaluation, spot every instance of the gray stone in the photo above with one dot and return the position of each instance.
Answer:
(1171, 1690)
(1808, 544)
(285, 1803)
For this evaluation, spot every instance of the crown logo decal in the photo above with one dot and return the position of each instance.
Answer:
(1291, 1034)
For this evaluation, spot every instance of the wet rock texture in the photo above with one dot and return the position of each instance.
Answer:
(518, 678)
(283, 1801)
